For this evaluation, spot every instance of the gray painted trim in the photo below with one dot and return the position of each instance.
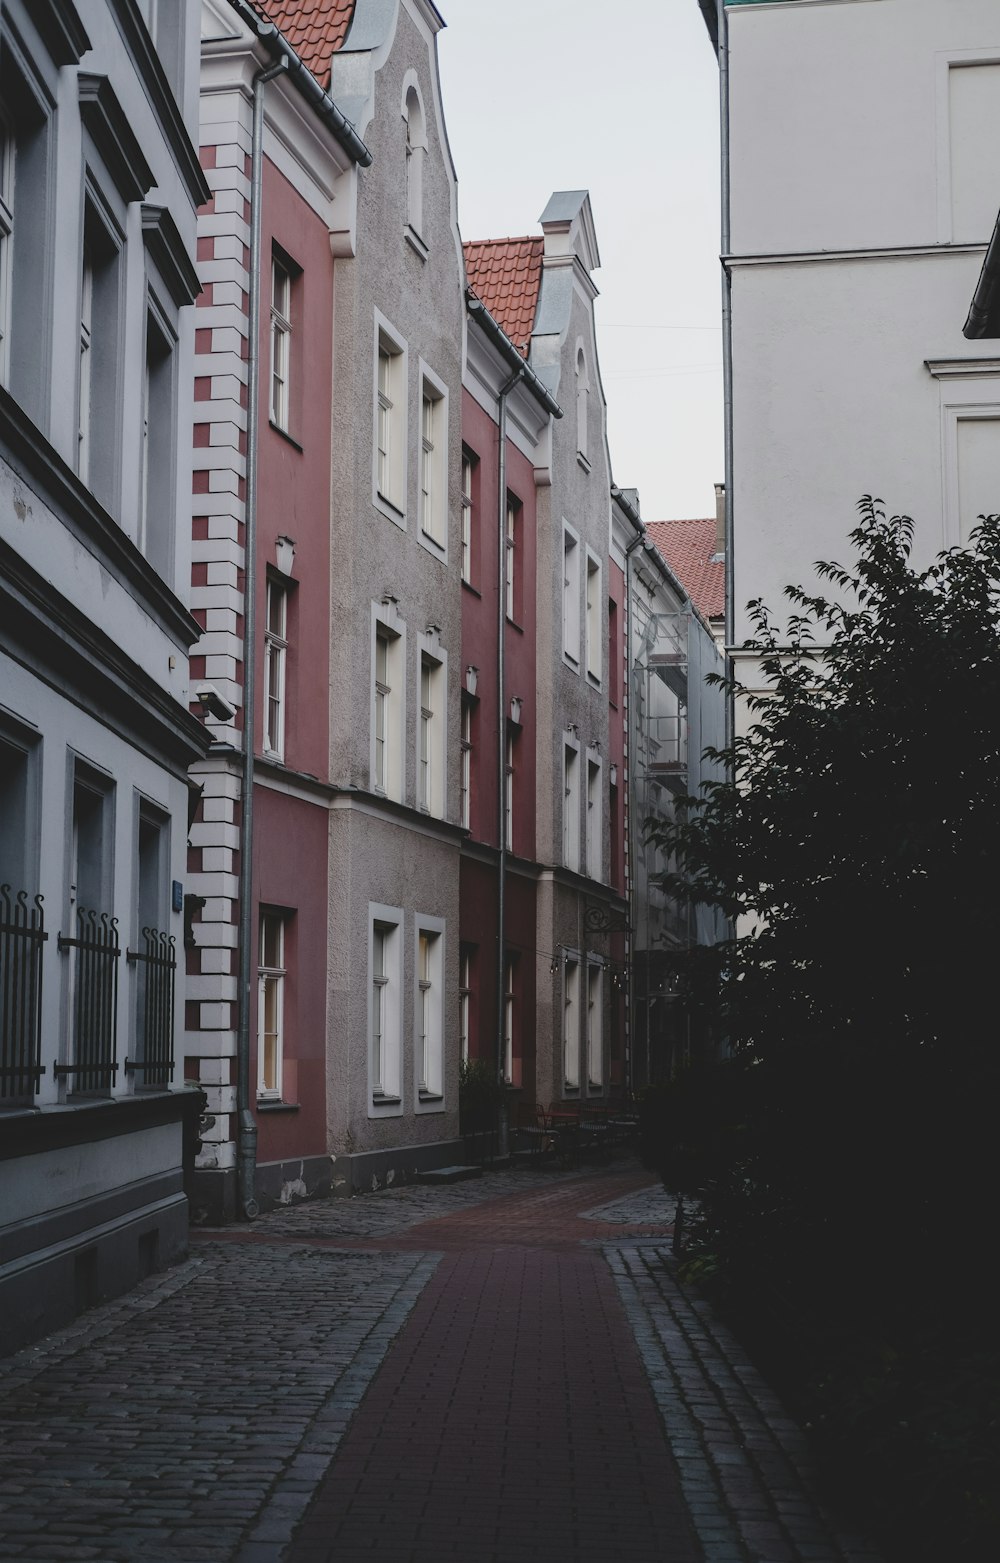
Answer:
(28, 453)
(63, 32)
(161, 98)
(170, 255)
(112, 135)
(38, 1129)
(58, 643)
(71, 1221)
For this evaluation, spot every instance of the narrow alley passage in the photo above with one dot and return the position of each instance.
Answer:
(497, 1371)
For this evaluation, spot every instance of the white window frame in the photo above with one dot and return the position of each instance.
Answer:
(389, 450)
(415, 151)
(571, 804)
(275, 667)
(596, 617)
(433, 463)
(385, 934)
(466, 765)
(595, 1025)
(511, 561)
(271, 976)
(509, 1019)
(582, 407)
(281, 343)
(431, 727)
(571, 1021)
(594, 832)
(468, 463)
(86, 364)
(428, 1012)
(388, 704)
(508, 786)
(464, 1001)
(571, 596)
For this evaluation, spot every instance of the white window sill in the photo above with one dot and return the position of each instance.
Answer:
(415, 242)
(389, 509)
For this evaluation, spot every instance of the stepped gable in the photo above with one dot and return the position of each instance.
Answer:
(506, 274)
(316, 29)
(689, 549)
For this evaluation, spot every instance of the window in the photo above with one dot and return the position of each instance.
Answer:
(390, 423)
(21, 925)
(388, 710)
(384, 1016)
(24, 238)
(571, 807)
(152, 955)
(582, 407)
(464, 1001)
(281, 342)
(271, 977)
(512, 560)
(433, 464)
(156, 513)
(613, 652)
(508, 793)
(466, 765)
(595, 1026)
(469, 474)
(93, 939)
(430, 735)
(616, 839)
(571, 1024)
(416, 144)
(595, 820)
(429, 1013)
(275, 654)
(595, 619)
(98, 380)
(571, 596)
(509, 1019)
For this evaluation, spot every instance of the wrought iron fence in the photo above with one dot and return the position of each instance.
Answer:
(94, 1001)
(22, 935)
(154, 1041)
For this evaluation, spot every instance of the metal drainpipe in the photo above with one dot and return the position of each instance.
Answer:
(727, 354)
(502, 715)
(246, 1141)
(630, 806)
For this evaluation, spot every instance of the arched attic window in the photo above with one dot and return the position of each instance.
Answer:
(416, 149)
(582, 404)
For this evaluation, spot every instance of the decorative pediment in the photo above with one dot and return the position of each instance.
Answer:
(169, 254)
(105, 119)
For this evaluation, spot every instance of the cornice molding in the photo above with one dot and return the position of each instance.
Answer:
(169, 254)
(59, 24)
(153, 77)
(113, 136)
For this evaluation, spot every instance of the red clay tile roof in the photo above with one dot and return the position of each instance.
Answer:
(506, 275)
(689, 547)
(316, 29)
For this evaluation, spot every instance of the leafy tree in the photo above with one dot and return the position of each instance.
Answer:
(855, 842)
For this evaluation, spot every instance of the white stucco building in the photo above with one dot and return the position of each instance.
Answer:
(861, 185)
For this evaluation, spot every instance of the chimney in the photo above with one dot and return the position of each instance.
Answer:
(720, 518)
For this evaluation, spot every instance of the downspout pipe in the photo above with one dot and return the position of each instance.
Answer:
(722, 49)
(246, 1139)
(519, 374)
(318, 99)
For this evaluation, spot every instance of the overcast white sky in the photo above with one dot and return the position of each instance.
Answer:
(620, 97)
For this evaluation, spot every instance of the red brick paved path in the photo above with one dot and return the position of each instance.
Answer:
(512, 1421)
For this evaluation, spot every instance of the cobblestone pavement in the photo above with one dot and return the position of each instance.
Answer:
(462, 1355)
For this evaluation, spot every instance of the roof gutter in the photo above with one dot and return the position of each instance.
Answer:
(316, 96)
(985, 307)
(502, 342)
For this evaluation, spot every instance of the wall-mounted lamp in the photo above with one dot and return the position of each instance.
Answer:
(614, 776)
(515, 708)
(471, 679)
(284, 554)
